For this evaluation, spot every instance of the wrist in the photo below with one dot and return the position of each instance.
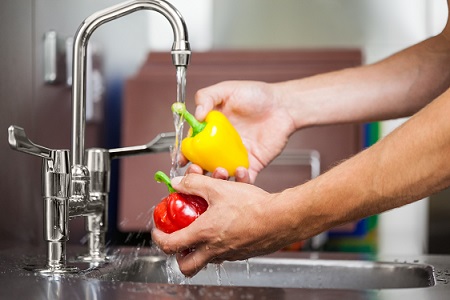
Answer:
(293, 97)
(301, 215)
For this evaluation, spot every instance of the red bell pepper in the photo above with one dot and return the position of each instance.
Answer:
(177, 210)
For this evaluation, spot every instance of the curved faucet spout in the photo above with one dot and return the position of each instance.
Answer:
(180, 57)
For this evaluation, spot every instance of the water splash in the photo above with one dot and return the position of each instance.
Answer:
(171, 277)
(174, 275)
(222, 274)
(218, 274)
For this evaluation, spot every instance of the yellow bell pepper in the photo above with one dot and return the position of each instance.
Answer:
(213, 143)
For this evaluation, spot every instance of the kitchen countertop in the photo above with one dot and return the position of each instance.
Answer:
(17, 283)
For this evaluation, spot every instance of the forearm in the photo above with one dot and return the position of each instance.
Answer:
(395, 87)
(409, 164)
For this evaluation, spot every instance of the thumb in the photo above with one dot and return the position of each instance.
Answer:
(195, 184)
(212, 97)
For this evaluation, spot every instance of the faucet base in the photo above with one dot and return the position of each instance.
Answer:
(94, 258)
(48, 271)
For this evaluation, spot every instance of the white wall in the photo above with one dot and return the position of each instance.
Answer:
(379, 27)
(122, 41)
(405, 230)
(198, 15)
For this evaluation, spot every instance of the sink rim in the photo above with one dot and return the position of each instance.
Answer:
(112, 272)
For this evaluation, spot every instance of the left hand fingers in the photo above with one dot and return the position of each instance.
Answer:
(180, 240)
(163, 240)
(194, 261)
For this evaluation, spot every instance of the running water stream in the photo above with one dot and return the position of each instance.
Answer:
(178, 122)
(175, 154)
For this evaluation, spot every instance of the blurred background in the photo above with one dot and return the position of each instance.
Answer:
(119, 51)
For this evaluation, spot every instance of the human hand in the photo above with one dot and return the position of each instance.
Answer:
(254, 110)
(241, 221)
(241, 173)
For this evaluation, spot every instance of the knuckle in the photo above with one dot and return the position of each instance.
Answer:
(199, 93)
(166, 248)
(187, 271)
(188, 180)
(187, 268)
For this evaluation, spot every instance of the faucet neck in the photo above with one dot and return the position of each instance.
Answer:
(180, 56)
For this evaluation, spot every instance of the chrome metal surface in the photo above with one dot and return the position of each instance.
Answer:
(55, 187)
(98, 163)
(50, 56)
(78, 187)
(69, 58)
(55, 173)
(96, 225)
(180, 54)
(300, 157)
(161, 143)
(56, 56)
(319, 276)
(278, 273)
(19, 141)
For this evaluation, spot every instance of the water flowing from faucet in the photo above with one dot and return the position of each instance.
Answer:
(178, 122)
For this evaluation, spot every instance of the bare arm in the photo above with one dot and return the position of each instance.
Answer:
(409, 164)
(395, 87)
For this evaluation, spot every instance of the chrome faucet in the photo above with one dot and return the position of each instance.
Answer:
(180, 57)
(79, 185)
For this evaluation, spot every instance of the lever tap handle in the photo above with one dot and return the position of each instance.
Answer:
(19, 141)
(161, 143)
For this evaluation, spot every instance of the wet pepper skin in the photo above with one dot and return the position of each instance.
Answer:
(213, 143)
(178, 211)
(217, 145)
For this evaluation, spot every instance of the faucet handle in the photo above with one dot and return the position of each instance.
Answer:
(19, 141)
(161, 143)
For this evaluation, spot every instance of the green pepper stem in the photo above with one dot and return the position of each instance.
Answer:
(180, 108)
(160, 176)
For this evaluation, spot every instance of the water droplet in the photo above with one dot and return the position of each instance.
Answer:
(248, 268)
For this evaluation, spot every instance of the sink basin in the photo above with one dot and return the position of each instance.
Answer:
(142, 273)
(274, 272)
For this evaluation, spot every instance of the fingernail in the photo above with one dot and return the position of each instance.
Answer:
(176, 180)
(199, 112)
(239, 173)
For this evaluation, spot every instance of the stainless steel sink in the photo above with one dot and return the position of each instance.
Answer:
(142, 274)
(274, 272)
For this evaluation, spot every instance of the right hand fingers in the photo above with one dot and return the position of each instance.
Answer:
(241, 174)
(208, 98)
(194, 169)
(219, 173)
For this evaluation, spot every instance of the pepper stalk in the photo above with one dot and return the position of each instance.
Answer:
(197, 126)
(161, 177)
